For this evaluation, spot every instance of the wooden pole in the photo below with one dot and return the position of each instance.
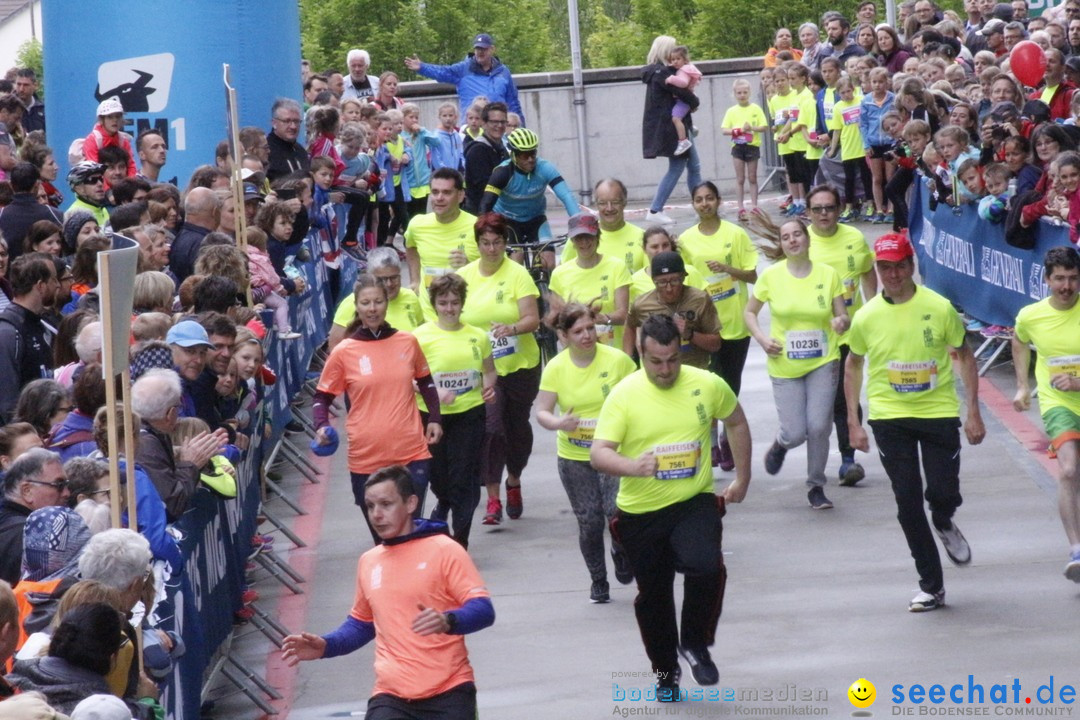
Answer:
(109, 365)
(130, 448)
(236, 154)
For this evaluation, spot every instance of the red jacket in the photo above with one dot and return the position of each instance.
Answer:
(1059, 103)
(98, 139)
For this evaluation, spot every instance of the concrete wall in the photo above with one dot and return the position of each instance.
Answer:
(614, 100)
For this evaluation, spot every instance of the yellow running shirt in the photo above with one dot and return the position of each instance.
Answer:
(584, 390)
(625, 243)
(729, 245)
(800, 318)
(737, 116)
(847, 253)
(673, 423)
(908, 367)
(494, 299)
(456, 359)
(1056, 337)
(575, 284)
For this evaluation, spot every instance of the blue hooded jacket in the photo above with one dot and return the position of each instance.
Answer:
(495, 84)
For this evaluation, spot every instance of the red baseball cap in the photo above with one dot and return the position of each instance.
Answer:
(893, 247)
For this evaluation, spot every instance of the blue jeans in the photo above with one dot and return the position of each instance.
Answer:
(676, 165)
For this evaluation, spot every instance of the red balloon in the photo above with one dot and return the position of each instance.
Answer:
(1028, 62)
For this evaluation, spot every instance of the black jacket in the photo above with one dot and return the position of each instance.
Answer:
(175, 481)
(480, 159)
(16, 219)
(25, 355)
(34, 118)
(12, 520)
(658, 136)
(185, 249)
(285, 158)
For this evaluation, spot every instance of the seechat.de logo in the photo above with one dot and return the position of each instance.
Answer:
(141, 83)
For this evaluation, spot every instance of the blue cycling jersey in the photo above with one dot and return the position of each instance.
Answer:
(520, 197)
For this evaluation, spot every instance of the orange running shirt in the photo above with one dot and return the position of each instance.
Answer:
(384, 425)
(392, 581)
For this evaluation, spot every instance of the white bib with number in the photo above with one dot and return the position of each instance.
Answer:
(582, 436)
(501, 347)
(720, 286)
(605, 334)
(1064, 364)
(907, 377)
(458, 382)
(677, 461)
(430, 273)
(804, 344)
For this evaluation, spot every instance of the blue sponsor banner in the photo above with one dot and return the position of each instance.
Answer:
(967, 260)
(164, 62)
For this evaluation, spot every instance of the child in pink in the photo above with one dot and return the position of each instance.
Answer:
(687, 76)
(263, 275)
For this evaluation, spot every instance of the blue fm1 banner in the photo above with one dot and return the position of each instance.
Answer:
(967, 260)
(164, 62)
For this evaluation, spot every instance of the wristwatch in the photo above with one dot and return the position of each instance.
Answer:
(451, 622)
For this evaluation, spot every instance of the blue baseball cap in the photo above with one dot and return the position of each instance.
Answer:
(328, 449)
(483, 40)
(188, 333)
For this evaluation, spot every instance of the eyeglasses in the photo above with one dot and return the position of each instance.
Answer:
(823, 209)
(58, 486)
(95, 180)
(106, 491)
(668, 283)
(289, 121)
(610, 203)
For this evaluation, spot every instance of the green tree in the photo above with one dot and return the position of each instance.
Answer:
(30, 55)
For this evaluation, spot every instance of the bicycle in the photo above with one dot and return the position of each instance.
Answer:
(530, 259)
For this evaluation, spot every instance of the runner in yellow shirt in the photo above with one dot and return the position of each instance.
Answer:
(579, 379)
(1052, 325)
(503, 303)
(654, 433)
(459, 356)
(744, 122)
(402, 312)
(440, 241)
(724, 255)
(807, 313)
(618, 238)
(595, 280)
(843, 248)
(907, 336)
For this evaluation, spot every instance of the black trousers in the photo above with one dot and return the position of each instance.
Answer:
(896, 193)
(729, 360)
(455, 465)
(458, 703)
(393, 216)
(855, 169)
(900, 442)
(840, 409)
(684, 537)
(508, 439)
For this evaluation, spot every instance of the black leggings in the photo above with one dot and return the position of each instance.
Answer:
(851, 169)
(729, 360)
(896, 193)
(393, 216)
(416, 206)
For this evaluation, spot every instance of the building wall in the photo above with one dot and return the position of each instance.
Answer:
(614, 102)
(14, 32)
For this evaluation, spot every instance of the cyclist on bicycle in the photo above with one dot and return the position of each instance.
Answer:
(516, 191)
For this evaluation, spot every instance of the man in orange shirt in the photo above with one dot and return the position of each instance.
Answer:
(433, 596)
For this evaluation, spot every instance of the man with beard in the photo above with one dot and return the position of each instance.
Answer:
(836, 29)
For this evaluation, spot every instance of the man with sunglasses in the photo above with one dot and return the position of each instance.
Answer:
(35, 480)
(844, 249)
(87, 181)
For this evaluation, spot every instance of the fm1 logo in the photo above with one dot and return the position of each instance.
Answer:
(142, 85)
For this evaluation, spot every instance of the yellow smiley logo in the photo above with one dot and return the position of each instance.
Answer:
(862, 693)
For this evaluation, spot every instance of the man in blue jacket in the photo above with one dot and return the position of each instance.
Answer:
(480, 73)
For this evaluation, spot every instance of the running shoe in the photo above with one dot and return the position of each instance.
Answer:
(599, 593)
(878, 219)
(683, 146)
(848, 216)
(774, 459)
(867, 213)
(817, 498)
(925, 601)
(494, 512)
(743, 216)
(702, 667)
(1072, 570)
(623, 572)
(851, 472)
(956, 546)
(888, 218)
(248, 597)
(514, 505)
(658, 218)
(726, 459)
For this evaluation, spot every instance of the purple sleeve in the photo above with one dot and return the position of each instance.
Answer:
(430, 393)
(320, 408)
(476, 614)
(351, 635)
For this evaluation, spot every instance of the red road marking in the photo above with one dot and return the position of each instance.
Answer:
(1028, 432)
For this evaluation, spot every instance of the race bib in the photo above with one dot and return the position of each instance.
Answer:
(851, 115)
(851, 286)
(605, 334)
(1067, 364)
(582, 436)
(720, 286)
(804, 344)
(458, 382)
(430, 273)
(677, 461)
(501, 347)
(906, 377)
